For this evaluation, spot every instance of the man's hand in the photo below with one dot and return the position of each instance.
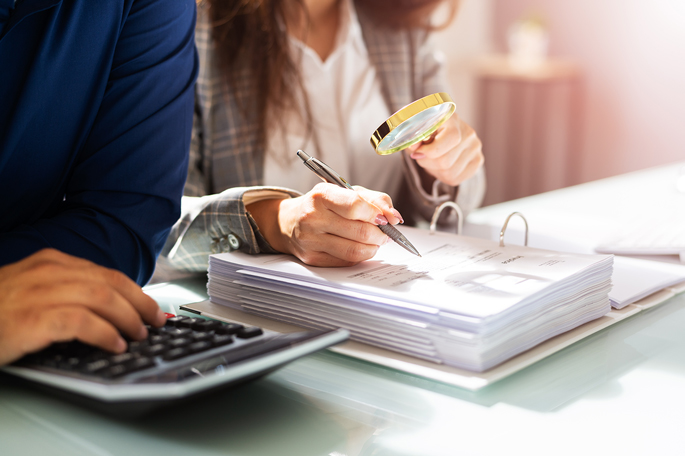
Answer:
(452, 155)
(53, 297)
(329, 226)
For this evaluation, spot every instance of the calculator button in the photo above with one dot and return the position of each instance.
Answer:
(179, 332)
(174, 321)
(137, 345)
(70, 363)
(115, 371)
(221, 339)
(140, 364)
(158, 339)
(120, 359)
(249, 332)
(180, 342)
(95, 366)
(176, 353)
(228, 328)
(200, 336)
(155, 350)
(199, 346)
(188, 322)
(206, 325)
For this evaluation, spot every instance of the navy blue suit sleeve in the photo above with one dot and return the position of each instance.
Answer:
(124, 187)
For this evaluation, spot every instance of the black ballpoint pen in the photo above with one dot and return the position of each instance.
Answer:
(328, 175)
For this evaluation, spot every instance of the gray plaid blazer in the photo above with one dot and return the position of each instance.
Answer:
(226, 166)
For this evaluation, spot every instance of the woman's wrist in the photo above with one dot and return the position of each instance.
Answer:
(266, 215)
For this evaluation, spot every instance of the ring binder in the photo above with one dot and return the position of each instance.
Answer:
(438, 211)
(504, 228)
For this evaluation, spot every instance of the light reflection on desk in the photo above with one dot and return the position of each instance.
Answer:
(629, 375)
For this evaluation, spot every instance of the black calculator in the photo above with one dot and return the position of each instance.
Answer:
(186, 357)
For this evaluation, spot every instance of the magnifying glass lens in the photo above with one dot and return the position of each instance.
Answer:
(415, 129)
(413, 123)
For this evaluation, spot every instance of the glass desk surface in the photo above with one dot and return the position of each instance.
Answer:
(620, 391)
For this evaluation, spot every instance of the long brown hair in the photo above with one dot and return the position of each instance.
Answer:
(249, 35)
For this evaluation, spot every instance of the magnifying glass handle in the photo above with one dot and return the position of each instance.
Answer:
(430, 139)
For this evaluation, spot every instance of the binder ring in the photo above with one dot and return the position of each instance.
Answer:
(438, 211)
(504, 228)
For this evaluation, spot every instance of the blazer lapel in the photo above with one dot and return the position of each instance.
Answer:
(392, 53)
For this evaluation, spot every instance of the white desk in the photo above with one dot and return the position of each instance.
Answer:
(578, 218)
(619, 392)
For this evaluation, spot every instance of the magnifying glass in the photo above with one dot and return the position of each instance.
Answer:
(414, 123)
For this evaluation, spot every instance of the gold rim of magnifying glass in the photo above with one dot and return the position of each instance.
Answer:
(404, 114)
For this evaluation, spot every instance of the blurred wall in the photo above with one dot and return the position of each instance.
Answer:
(632, 55)
(470, 35)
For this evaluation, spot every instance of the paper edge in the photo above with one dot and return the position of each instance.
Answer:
(461, 378)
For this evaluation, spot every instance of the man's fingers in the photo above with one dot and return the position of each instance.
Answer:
(42, 257)
(52, 269)
(66, 323)
(97, 297)
(146, 306)
(50, 296)
(36, 329)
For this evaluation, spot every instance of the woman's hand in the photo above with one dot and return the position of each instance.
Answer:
(54, 297)
(329, 226)
(452, 155)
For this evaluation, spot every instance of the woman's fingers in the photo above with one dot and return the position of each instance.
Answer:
(333, 226)
(331, 250)
(362, 204)
(383, 202)
(446, 138)
(450, 167)
(328, 226)
(455, 154)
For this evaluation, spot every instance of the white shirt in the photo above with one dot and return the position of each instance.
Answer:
(347, 106)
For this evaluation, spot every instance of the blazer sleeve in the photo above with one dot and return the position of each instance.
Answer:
(217, 223)
(429, 77)
(211, 223)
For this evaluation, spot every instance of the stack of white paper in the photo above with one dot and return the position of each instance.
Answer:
(635, 279)
(467, 302)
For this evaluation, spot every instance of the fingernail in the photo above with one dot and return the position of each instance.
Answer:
(120, 346)
(161, 317)
(397, 214)
(417, 156)
(381, 220)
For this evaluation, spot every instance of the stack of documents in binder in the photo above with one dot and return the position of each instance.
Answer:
(466, 302)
